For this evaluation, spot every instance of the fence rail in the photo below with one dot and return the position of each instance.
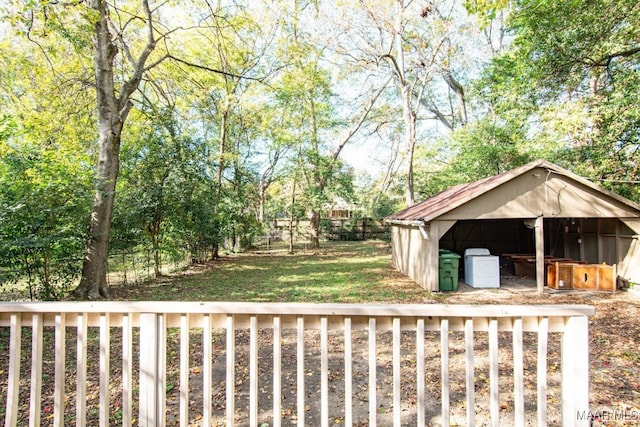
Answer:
(185, 363)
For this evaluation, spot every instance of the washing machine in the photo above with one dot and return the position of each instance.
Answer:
(481, 269)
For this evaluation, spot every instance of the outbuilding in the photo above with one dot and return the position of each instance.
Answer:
(539, 209)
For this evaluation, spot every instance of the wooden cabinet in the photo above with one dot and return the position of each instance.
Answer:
(598, 277)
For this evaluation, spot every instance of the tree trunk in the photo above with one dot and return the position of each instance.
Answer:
(410, 142)
(315, 229)
(93, 284)
(408, 115)
(113, 109)
(154, 233)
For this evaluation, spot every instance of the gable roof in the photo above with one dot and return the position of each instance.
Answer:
(458, 195)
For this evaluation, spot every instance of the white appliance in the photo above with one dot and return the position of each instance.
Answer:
(481, 269)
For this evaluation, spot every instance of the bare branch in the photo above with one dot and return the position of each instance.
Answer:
(212, 70)
(358, 124)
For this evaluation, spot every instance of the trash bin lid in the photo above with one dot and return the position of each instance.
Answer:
(476, 251)
(448, 254)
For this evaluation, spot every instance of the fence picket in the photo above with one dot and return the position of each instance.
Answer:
(300, 370)
(206, 370)
(59, 370)
(231, 370)
(127, 369)
(35, 396)
(348, 373)
(373, 404)
(105, 350)
(468, 339)
(253, 371)
(420, 373)
(81, 370)
(543, 331)
(518, 373)
(277, 373)
(184, 369)
(11, 413)
(148, 370)
(397, 345)
(324, 372)
(161, 385)
(444, 369)
(494, 373)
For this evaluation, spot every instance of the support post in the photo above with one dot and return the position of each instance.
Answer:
(540, 273)
(148, 369)
(433, 245)
(575, 372)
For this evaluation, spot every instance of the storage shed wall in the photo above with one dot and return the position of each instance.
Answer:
(411, 255)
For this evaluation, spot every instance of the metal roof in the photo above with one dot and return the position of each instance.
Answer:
(458, 195)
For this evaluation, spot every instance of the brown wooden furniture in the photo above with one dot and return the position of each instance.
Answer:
(571, 275)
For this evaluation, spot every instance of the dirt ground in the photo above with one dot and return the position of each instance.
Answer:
(614, 366)
(614, 334)
(614, 369)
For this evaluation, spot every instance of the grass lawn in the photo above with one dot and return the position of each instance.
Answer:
(347, 272)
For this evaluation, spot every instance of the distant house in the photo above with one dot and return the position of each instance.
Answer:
(540, 209)
(339, 208)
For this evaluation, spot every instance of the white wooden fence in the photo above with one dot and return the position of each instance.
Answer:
(185, 363)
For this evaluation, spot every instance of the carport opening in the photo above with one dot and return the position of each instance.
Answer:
(590, 240)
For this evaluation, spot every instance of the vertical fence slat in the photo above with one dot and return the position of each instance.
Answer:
(206, 370)
(324, 373)
(396, 372)
(518, 373)
(300, 370)
(494, 373)
(253, 371)
(184, 369)
(277, 373)
(147, 399)
(127, 369)
(373, 404)
(468, 340)
(444, 369)
(348, 373)
(420, 372)
(13, 389)
(161, 380)
(543, 334)
(231, 369)
(35, 396)
(105, 349)
(575, 372)
(81, 370)
(59, 370)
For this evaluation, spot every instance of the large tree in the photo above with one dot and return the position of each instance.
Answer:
(572, 78)
(122, 41)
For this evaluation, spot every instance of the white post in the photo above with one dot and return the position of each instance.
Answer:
(231, 371)
(148, 369)
(540, 273)
(60, 374)
(104, 363)
(35, 398)
(13, 389)
(575, 372)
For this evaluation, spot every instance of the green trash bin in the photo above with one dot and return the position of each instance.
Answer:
(448, 270)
